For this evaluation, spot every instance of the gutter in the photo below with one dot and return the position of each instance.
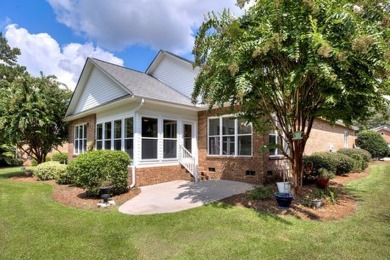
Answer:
(132, 185)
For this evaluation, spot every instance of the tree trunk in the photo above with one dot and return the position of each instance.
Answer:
(297, 165)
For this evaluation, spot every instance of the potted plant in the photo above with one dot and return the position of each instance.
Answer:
(324, 175)
(283, 199)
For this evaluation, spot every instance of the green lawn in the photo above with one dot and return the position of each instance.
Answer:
(33, 226)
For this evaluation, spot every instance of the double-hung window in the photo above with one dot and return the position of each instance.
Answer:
(80, 139)
(276, 141)
(170, 139)
(229, 136)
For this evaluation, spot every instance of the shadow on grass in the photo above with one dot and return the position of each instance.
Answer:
(6, 173)
(217, 193)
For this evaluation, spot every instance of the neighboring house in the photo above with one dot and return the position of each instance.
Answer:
(384, 130)
(150, 116)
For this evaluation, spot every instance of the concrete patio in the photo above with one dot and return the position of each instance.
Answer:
(176, 196)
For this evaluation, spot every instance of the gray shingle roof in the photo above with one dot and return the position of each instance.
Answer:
(142, 85)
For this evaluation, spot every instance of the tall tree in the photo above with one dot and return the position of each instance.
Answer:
(296, 61)
(33, 108)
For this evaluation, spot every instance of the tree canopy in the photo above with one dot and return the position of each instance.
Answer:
(295, 61)
(31, 108)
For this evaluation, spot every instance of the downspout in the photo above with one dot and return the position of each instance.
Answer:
(132, 164)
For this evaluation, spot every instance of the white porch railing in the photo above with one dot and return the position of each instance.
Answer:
(189, 163)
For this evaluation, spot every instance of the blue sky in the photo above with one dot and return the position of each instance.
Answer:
(56, 36)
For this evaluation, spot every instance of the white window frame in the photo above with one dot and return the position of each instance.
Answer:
(220, 136)
(150, 138)
(112, 137)
(82, 141)
(346, 135)
(172, 139)
(278, 141)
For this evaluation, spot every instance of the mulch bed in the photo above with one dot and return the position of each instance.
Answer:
(346, 205)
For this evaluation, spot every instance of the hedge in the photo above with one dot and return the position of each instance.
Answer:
(361, 156)
(92, 169)
(337, 163)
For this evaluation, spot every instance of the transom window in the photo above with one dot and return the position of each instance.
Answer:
(115, 135)
(80, 138)
(229, 136)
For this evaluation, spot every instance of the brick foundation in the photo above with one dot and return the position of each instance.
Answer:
(154, 175)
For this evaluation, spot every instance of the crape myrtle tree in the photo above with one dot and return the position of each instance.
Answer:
(286, 62)
(33, 108)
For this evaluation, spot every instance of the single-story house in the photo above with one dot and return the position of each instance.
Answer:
(150, 116)
(384, 130)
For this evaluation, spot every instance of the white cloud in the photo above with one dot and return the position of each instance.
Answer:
(163, 24)
(40, 52)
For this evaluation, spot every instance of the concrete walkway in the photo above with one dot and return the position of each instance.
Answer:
(181, 195)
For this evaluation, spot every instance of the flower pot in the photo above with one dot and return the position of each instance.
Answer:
(284, 187)
(283, 199)
(322, 183)
(316, 203)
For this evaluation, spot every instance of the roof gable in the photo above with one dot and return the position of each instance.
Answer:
(176, 72)
(101, 82)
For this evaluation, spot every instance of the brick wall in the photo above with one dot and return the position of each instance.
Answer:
(229, 167)
(325, 137)
(91, 122)
(386, 135)
(159, 174)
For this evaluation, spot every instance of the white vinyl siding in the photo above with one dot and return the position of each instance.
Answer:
(99, 89)
(177, 74)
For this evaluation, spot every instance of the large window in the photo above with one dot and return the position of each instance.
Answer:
(170, 139)
(129, 136)
(115, 135)
(80, 138)
(149, 138)
(234, 134)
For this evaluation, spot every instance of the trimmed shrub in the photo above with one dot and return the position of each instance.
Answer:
(60, 157)
(373, 142)
(92, 169)
(344, 163)
(321, 160)
(337, 163)
(49, 170)
(361, 156)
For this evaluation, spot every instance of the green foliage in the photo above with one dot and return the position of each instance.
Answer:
(296, 61)
(93, 168)
(325, 174)
(60, 157)
(261, 193)
(321, 160)
(34, 162)
(32, 113)
(7, 156)
(373, 142)
(344, 163)
(334, 162)
(362, 157)
(49, 170)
